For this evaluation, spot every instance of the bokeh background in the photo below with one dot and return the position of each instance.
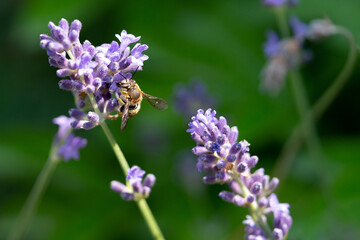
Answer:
(218, 42)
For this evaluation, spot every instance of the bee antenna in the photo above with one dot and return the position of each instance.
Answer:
(123, 76)
(135, 72)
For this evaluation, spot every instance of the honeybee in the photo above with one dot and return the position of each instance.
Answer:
(131, 97)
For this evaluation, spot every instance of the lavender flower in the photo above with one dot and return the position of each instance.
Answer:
(82, 120)
(136, 188)
(280, 3)
(188, 99)
(70, 150)
(229, 161)
(87, 69)
(64, 127)
(283, 55)
(320, 28)
(217, 147)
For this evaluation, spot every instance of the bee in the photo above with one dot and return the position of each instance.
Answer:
(130, 99)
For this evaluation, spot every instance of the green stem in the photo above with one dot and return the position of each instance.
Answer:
(281, 18)
(294, 142)
(42, 181)
(307, 119)
(143, 206)
(150, 220)
(119, 154)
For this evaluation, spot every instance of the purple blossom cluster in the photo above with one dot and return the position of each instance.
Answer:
(226, 160)
(87, 69)
(288, 53)
(135, 188)
(69, 144)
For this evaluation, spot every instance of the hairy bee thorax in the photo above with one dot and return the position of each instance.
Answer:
(130, 92)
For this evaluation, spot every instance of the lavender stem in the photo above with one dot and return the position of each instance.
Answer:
(306, 115)
(293, 143)
(143, 206)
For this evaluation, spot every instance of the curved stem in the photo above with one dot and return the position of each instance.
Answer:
(42, 181)
(294, 142)
(328, 97)
(308, 125)
(307, 120)
(142, 204)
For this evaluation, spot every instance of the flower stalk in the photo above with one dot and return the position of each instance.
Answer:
(142, 204)
(294, 142)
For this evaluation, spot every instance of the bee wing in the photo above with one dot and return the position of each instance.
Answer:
(156, 102)
(125, 116)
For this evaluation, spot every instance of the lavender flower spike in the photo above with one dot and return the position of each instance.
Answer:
(229, 161)
(137, 188)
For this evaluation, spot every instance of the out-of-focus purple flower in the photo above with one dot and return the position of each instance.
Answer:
(299, 28)
(64, 127)
(229, 161)
(272, 46)
(320, 28)
(252, 231)
(139, 188)
(187, 99)
(282, 219)
(82, 120)
(70, 150)
(280, 3)
(274, 3)
(282, 56)
(273, 76)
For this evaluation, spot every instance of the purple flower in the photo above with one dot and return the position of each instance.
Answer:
(135, 174)
(280, 3)
(273, 76)
(299, 28)
(229, 161)
(274, 3)
(282, 219)
(272, 46)
(63, 37)
(283, 55)
(87, 69)
(217, 147)
(64, 127)
(187, 99)
(82, 120)
(139, 188)
(252, 231)
(70, 150)
(320, 28)
(119, 57)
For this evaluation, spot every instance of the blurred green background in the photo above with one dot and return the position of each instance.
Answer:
(216, 41)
